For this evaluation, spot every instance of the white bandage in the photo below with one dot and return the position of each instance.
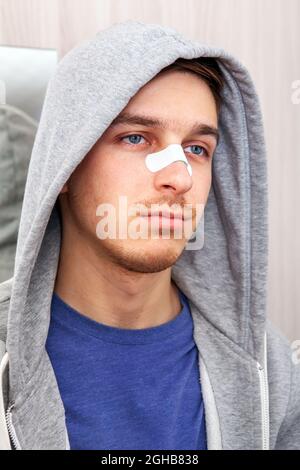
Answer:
(172, 153)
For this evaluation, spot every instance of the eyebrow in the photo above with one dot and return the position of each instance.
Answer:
(197, 128)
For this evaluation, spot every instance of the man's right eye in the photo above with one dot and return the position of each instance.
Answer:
(133, 139)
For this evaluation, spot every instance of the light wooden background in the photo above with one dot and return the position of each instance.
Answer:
(265, 36)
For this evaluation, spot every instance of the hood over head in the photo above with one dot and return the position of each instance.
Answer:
(226, 279)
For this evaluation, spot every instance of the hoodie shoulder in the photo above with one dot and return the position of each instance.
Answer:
(5, 292)
(284, 386)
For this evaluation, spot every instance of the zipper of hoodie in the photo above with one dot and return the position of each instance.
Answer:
(264, 398)
(11, 430)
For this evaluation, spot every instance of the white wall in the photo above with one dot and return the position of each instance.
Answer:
(264, 35)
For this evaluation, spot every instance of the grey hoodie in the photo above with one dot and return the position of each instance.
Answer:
(249, 382)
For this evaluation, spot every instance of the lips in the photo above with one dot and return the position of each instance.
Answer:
(168, 215)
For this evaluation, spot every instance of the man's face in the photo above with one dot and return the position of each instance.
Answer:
(115, 167)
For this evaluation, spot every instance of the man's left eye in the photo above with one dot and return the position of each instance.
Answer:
(200, 147)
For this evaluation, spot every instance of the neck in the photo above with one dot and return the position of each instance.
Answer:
(109, 294)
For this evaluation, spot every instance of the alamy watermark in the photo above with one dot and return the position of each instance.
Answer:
(295, 346)
(295, 97)
(159, 221)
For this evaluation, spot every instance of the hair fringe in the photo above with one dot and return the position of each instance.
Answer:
(206, 68)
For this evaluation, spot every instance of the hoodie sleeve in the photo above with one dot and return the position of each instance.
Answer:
(289, 433)
(284, 391)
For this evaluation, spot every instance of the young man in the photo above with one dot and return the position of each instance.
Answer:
(125, 342)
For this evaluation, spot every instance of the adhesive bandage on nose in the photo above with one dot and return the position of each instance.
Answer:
(172, 153)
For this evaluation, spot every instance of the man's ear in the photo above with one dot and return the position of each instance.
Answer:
(64, 188)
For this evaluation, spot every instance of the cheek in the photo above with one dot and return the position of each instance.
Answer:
(109, 178)
(123, 174)
(202, 180)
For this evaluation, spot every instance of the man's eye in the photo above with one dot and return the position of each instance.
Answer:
(134, 138)
(200, 147)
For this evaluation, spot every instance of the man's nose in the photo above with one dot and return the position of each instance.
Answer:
(175, 177)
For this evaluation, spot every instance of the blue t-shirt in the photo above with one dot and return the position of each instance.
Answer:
(127, 389)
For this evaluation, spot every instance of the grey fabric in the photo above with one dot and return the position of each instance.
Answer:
(16, 141)
(225, 281)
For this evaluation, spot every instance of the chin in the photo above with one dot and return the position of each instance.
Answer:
(144, 256)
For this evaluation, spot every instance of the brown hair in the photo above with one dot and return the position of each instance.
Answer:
(206, 68)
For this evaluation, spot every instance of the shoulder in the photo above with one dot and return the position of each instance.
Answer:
(5, 289)
(283, 363)
(5, 292)
(278, 345)
(283, 355)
